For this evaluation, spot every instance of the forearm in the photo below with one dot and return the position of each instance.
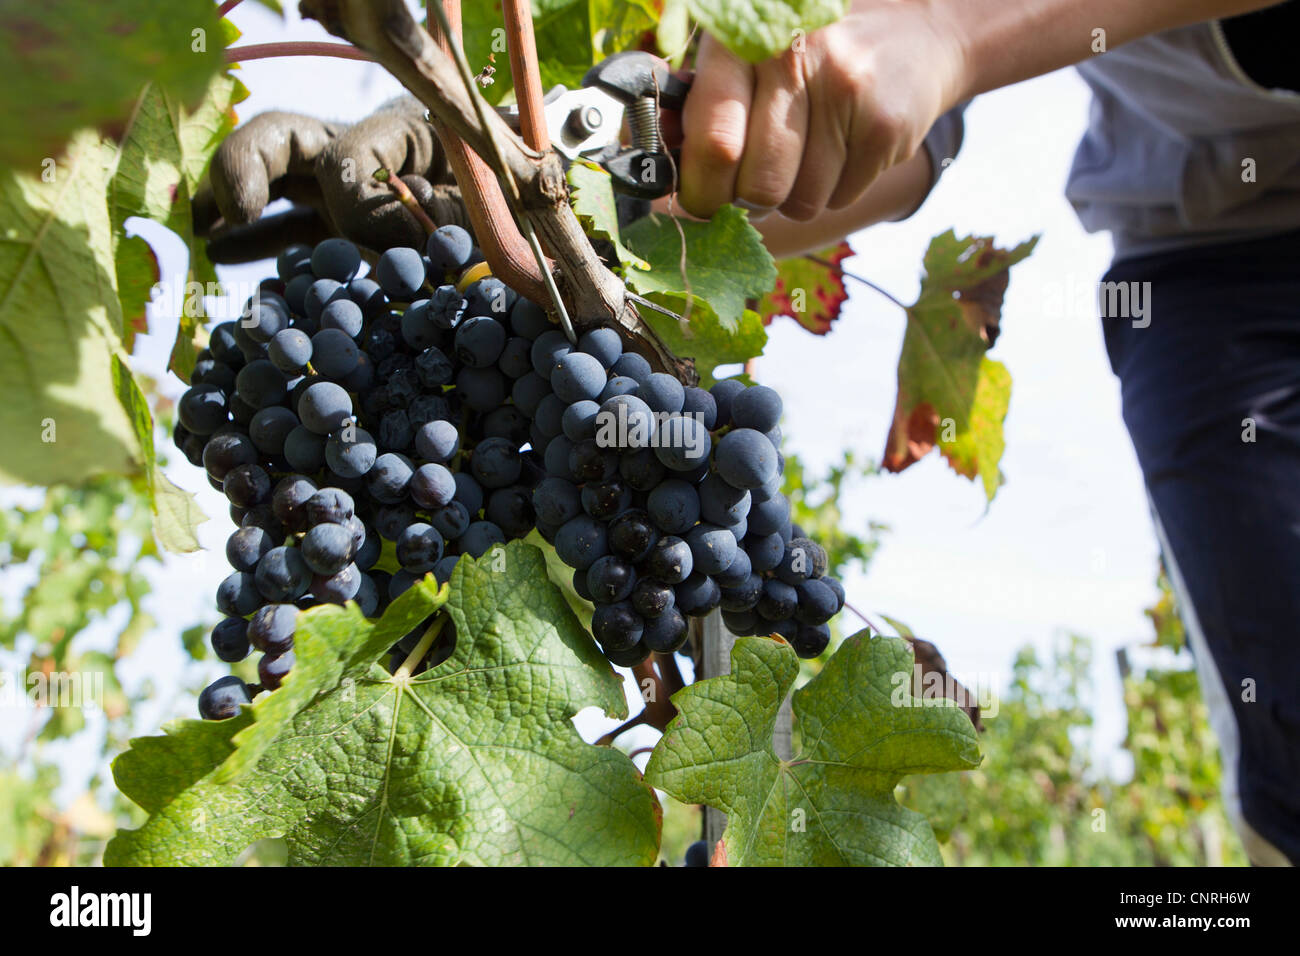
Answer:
(894, 195)
(1006, 42)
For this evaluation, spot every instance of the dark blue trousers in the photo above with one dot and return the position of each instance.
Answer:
(1211, 396)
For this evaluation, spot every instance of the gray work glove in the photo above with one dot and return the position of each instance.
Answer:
(326, 170)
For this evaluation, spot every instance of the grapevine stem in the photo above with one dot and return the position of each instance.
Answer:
(422, 648)
(262, 51)
(853, 275)
(227, 7)
(868, 621)
(407, 197)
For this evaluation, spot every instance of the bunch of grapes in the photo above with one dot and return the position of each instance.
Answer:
(338, 413)
(666, 501)
(428, 406)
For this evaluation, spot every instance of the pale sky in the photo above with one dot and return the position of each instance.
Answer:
(1066, 545)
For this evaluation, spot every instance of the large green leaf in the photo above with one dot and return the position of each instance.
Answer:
(474, 761)
(82, 63)
(162, 159)
(62, 325)
(724, 259)
(833, 804)
(949, 393)
(758, 29)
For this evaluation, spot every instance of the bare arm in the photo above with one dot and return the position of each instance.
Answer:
(838, 126)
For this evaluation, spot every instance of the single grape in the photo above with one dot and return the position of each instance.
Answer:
(282, 575)
(697, 854)
(324, 407)
(683, 443)
(556, 500)
(590, 462)
(634, 655)
(745, 458)
(247, 485)
(480, 537)
(448, 248)
(293, 261)
(272, 669)
(606, 499)
(674, 506)
(389, 478)
(641, 469)
(483, 389)
(528, 319)
(226, 451)
(238, 595)
(627, 423)
(270, 429)
(810, 640)
(618, 385)
(724, 392)
(419, 548)
(632, 366)
(202, 409)
(744, 596)
(230, 640)
(335, 259)
(770, 516)
(757, 407)
(400, 273)
(712, 548)
(469, 492)
(222, 699)
(367, 294)
(610, 579)
(548, 349)
(738, 571)
(616, 627)
(351, 452)
(662, 393)
(495, 463)
(700, 404)
(516, 359)
(334, 354)
(451, 520)
(480, 341)
(698, 595)
(579, 420)
(632, 534)
(577, 376)
(271, 629)
(489, 296)
(337, 588)
(765, 552)
(580, 541)
(246, 546)
(528, 393)
(670, 560)
(666, 633)
(343, 315)
(327, 548)
(652, 598)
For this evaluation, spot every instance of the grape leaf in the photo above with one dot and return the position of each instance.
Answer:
(62, 325)
(809, 289)
(474, 761)
(758, 29)
(725, 260)
(833, 804)
(176, 515)
(562, 31)
(949, 392)
(591, 192)
(162, 158)
(703, 337)
(82, 64)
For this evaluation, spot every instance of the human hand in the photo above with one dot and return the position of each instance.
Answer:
(326, 170)
(811, 129)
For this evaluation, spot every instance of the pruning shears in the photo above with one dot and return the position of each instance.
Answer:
(587, 123)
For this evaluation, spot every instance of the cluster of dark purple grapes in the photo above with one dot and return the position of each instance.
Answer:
(443, 413)
(667, 501)
(340, 412)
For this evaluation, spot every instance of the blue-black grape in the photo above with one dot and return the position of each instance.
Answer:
(272, 669)
(448, 248)
(479, 341)
(683, 443)
(652, 598)
(388, 479)
(271, 629)
(479, 537)
(662, 393)
(757, 407)
(222, 699)
(616, 627)
(282, 575)
(483, 389)
(670, 560)
(246, 546)
(495, 463)
(675, 506)
(400, 273)
(327, 548)
(419, 548)
(511, 509)
(556, 500)
(602, 344)
(227, 450)
(581, 540)
(697, 595)
(202, 409)
(229, 640)
(632, 534)
(745, 458)
(270, 429)
(337, 588)
(351, 452)
(666, 633)
(323, 407)
(334, 354)
(247, 485)
(335, 259)
(238, 595)
(631, 365)
(712, 548)
(610, 579)
(332, 505)
(343, 315)
(577, 376)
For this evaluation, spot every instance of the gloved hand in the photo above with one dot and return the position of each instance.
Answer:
(326, 170)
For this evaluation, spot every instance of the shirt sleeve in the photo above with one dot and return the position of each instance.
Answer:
(943, 142)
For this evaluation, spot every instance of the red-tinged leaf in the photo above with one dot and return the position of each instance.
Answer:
(949, 393)
(809, 289)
